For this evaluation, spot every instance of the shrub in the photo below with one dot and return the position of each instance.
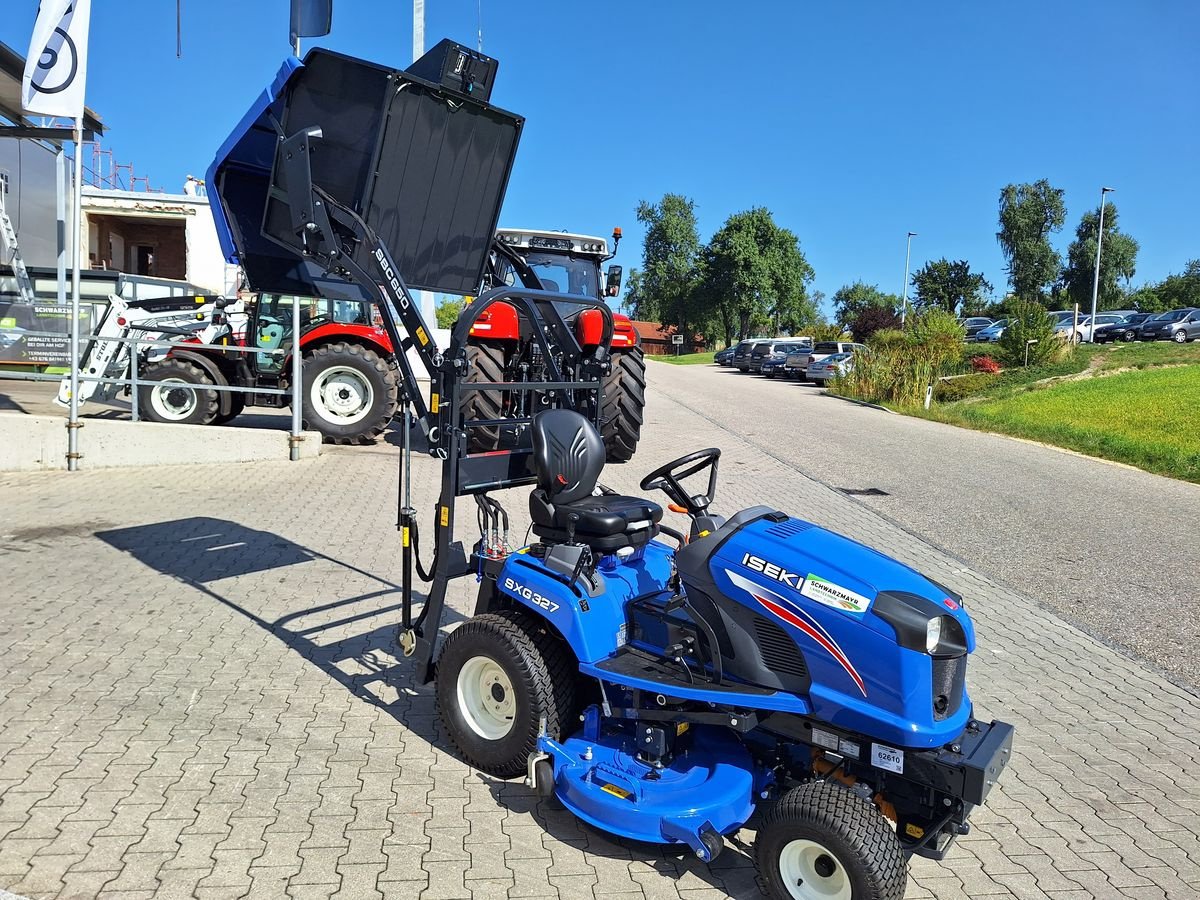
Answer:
(1028, 321)
(873, 319)
(985, 364)
(900, 365)
(964, 386)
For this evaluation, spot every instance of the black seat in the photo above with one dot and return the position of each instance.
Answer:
(568, 456)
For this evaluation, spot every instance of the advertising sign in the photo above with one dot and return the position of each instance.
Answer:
(39, 334)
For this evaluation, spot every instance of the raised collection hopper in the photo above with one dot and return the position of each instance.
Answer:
(425, 164)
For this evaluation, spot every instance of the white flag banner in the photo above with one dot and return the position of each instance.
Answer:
(56, 68)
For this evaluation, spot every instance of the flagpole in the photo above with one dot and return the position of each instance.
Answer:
(73, 425)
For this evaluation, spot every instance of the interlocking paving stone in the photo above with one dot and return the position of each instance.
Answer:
(236, 722)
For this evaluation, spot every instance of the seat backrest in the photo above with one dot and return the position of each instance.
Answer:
(568, 454)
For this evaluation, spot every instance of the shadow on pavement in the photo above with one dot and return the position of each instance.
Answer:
(351, 638)
(344, 639)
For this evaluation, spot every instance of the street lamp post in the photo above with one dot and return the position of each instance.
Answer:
(1096, 277)
(907, 256)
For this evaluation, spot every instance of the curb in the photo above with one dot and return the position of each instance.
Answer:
(861, 403)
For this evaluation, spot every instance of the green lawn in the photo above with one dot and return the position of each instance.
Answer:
(685, 359)
(1149, 419)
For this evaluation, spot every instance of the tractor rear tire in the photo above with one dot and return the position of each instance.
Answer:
(821, 839)
(237, 407)
(624, 404)
(499, 677)
(180, 405)
(350, 393)
(485, 362)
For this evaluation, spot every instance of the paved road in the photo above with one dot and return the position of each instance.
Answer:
(1113, 549)
(199, 696)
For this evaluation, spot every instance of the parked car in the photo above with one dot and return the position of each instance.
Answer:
(772, 362)
(797, 364)
(1179, 325)
(741, 355)
(1124, 330)
(770, 350)
(724, 357)
(830, 367)
(992, 333)
(974, 325)
(1083, 330)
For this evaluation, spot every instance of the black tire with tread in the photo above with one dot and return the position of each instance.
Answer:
(853, 830)
(486, 361)
(208, 403)
(624, 404)
(543, 673)
(237, 405)
(384, 376)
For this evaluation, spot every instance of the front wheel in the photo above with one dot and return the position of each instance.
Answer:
(822, 842)
(1180, 337)
(350, 393)
(178, 396)
(500, 676)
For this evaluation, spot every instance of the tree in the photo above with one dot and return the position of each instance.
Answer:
(664, 288)
(1146, 299)
(447, 312)
(754, 274)
(948, 285)
(872, 319)
(852, 299)
(1118, 257)
(1181, 290)
(1029, 214)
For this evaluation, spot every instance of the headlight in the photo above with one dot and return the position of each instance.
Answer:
(933, 634)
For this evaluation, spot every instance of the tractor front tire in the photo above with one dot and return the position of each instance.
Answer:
(624, 404)
(350, 393)
(499, 677)
(822, 840)
(485, 362)
(179, 396)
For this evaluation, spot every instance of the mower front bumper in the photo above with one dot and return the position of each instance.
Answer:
(966, 768)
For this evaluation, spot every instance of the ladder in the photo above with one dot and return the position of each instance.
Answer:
(8, 243)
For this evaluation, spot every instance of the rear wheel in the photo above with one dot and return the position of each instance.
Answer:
(624, 404)
(350, 393)
(485, 362)
(179, 396)
(819, 382)
(500, 676)
(237, 404)
(822, 842)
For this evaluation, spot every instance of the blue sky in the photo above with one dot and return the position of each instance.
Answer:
(853, 122)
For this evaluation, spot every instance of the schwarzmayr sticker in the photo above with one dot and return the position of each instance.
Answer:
(823, 591)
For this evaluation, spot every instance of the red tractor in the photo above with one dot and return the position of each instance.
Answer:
(502, 349)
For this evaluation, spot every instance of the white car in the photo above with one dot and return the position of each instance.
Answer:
(1083, 331)
(830, 368)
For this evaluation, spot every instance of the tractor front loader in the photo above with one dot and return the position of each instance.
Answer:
(662, 685)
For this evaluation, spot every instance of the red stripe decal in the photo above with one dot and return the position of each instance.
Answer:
(832, 648)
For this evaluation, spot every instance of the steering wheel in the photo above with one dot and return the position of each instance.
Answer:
(667, 479)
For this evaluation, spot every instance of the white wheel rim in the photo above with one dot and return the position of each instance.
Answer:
(173, 399)
(811, 872)
(341, 395)
(486, 698)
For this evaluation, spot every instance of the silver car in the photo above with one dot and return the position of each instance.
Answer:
(992, 333)
(830, 368)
